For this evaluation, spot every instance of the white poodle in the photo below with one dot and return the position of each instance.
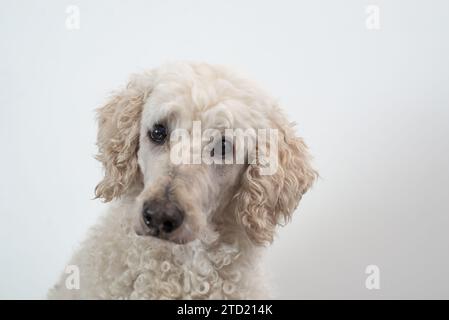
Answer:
(188, 230)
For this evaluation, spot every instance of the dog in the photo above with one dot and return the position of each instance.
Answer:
(180, 230)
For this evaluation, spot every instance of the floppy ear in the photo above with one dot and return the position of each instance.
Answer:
(118, 139)
(265, 201)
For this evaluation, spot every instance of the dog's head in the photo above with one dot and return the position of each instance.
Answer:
(198, 148)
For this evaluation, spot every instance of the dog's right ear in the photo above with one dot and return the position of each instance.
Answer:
(118, 138)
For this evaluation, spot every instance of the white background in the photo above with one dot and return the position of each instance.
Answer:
(373, 105)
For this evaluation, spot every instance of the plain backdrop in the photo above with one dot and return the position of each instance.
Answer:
(372, 104)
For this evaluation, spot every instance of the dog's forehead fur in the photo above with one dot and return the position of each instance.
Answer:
(185, 92)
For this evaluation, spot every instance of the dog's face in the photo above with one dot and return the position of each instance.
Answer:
(184, 141)
(180, 196)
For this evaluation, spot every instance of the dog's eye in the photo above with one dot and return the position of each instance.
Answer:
(225, 147)
(158, 133)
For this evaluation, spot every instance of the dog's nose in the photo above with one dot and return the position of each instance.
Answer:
(162, 216)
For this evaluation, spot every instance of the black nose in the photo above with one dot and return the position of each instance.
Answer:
(162, 216)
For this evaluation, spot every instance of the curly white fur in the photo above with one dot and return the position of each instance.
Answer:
(115, 263)
(231, 212)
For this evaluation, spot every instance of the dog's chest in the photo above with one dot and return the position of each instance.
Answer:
(177, 272)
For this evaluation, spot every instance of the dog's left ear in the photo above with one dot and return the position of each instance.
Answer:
(118, 138)
(265, 201)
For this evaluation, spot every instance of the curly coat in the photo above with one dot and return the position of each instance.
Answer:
(230, 222)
